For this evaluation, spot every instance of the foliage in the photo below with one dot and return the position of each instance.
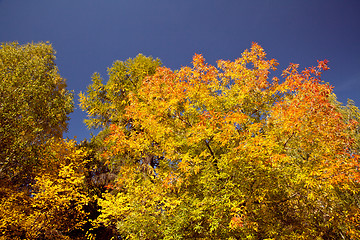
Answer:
(34, 104)
(105, 103)
(41, 175)
(225, 153)
(56, 207)
(204, 152)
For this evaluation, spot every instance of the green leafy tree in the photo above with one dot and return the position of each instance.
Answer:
(34, 106)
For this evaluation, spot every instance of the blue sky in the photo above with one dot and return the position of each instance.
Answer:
(89, 35)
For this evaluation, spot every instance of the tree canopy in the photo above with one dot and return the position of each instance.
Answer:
(41, 174)
(227, 153)
(105, 104)
(230, 151)
(34, 105)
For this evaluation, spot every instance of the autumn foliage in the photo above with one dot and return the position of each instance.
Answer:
(237, 155)
(204, 152)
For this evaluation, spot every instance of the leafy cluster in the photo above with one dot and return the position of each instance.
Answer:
(34, 105)
(203, 152)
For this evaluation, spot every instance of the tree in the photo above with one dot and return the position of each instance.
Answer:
(34, 108)
(105, 105)
(34, 105)
(225, 153)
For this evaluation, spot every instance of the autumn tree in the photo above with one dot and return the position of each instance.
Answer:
(228, 152)
(34, 106)
(42, 191)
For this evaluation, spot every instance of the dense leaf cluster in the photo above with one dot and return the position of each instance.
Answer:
(203, 152)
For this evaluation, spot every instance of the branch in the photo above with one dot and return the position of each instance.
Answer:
(289, 139)
(212, 154)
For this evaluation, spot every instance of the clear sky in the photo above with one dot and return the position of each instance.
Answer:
(89, 35)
